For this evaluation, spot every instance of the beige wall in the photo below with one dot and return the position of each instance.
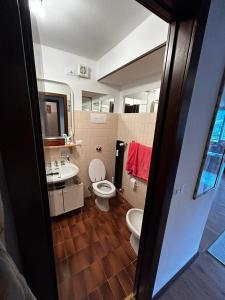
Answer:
(126, 127)
(139, 128)
(92, 135)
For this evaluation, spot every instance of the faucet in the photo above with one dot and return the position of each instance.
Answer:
(65, 155)
(49, 164)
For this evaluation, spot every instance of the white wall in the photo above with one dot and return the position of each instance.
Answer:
(53, 64)
(148, 35)
(187, 217)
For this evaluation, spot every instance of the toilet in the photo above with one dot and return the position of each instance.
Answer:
(103, 189)
(134, 219)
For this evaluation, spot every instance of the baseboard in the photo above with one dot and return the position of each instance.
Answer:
(171, 281)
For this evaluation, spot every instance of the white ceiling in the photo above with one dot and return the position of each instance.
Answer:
(88, 28)
(148, 67)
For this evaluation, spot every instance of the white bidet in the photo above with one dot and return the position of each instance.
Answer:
(134, 219)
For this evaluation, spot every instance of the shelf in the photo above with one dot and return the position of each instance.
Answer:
(60, 146)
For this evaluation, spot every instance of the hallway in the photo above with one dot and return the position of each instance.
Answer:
(204, 279)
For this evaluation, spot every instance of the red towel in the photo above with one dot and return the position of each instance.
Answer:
(138, 160)
(131, 165)
(143, 162)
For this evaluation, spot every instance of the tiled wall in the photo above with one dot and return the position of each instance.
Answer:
(126, 127)
(139, 128)
(92, 135)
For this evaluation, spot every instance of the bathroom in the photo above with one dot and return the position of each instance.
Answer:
(103, 104)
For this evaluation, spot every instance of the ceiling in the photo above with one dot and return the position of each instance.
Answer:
(88, 28)
(148, 67)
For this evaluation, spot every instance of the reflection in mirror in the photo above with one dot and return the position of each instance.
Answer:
(142, 102)
(212, 167)
(53, 109)
(97, 102)
(56, 100)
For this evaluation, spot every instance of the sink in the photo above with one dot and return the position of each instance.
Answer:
(61, 172)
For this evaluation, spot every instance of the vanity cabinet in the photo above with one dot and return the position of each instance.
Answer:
(66, 199)
(73, 197)
(56, 202)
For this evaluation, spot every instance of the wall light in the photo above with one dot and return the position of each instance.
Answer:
(37, 8)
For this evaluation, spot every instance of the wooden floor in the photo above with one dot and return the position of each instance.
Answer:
(93, 256)
(205, 278)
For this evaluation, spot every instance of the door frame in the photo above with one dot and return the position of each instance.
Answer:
(22, 151)
(186, 32)
(187, 25)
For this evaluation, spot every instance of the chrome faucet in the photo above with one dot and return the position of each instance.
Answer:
(65, 155)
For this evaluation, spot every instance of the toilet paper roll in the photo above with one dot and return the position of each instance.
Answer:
(133, 183)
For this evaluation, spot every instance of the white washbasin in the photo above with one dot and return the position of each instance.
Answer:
(61, 172)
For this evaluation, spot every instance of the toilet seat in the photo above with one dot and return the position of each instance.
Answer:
(96, 170)
(104, 188)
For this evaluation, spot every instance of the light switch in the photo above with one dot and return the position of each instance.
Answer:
(180, 190)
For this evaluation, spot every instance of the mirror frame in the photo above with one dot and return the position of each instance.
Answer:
(46, 94)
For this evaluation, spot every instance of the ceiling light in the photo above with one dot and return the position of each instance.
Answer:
(37, 8)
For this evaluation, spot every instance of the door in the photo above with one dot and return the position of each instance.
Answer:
(18, 82)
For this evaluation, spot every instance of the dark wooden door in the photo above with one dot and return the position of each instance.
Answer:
(21, 141)
(21, 149)
(182, 54)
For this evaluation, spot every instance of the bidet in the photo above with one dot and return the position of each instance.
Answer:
(134, 219)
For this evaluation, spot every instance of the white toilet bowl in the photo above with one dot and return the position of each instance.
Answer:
(103, 189)
(134, 219)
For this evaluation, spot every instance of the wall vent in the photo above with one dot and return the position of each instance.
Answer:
(83, 71)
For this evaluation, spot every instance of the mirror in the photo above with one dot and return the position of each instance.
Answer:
(54, 114)
(212, 167)
(55, 99)
(97, 102)
(142, 102)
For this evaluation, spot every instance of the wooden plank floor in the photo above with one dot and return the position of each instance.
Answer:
(205, 278)
(93, 256)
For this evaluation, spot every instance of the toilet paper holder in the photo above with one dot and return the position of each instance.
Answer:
(123, 144)
(133, 183)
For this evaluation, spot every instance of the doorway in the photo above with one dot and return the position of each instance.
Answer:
(174, 34)
(96, 238)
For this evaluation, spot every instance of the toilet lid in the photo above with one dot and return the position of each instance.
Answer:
(96, 170)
